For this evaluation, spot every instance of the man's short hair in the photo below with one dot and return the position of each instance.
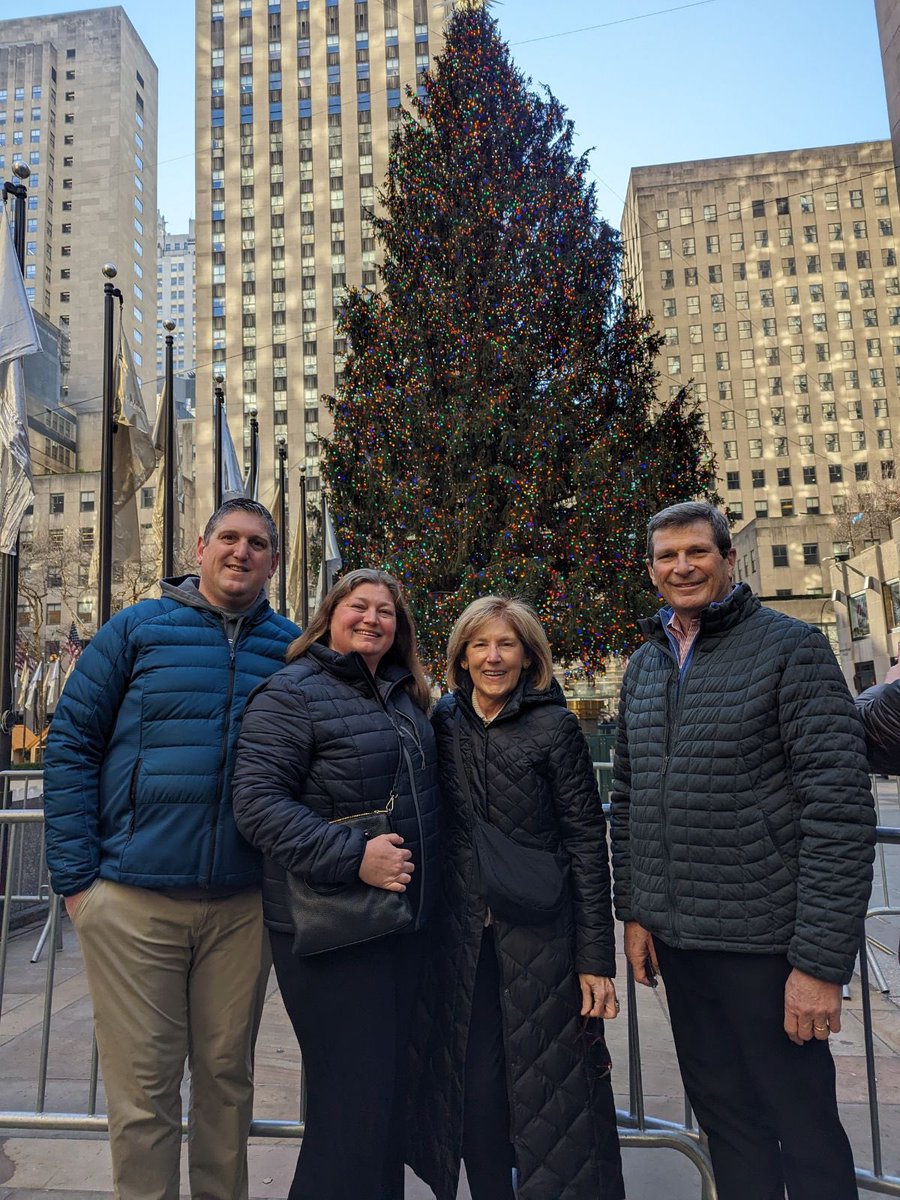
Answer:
(678, 515)
(240, 504)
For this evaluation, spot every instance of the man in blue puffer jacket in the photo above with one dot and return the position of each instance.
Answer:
(163, 891)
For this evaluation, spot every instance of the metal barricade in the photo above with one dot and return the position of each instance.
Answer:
(636, 1127)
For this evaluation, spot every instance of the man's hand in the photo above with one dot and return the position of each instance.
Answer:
(598, 997)
(812, 1007)
(894, 673)
(385, 865)
(641, 953)
(72, 902)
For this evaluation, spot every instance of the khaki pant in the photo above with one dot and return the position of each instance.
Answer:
(174, 980)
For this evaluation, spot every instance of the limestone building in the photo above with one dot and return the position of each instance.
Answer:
(295, 108)
(78, 104)
(775, 282)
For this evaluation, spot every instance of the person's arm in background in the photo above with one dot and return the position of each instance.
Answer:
(879, 708)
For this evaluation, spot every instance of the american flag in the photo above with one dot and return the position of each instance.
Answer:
(73, 644)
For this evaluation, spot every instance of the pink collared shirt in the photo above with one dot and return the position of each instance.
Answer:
(683, 639)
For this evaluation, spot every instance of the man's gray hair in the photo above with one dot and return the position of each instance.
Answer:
(240, 504)
(678, 515)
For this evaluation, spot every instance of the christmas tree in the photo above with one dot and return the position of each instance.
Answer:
(496, 427)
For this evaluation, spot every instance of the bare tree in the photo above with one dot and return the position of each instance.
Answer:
(868, 516)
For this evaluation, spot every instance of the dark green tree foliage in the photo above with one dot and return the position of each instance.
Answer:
(497, 427)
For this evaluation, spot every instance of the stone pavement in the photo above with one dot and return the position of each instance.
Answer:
(56, 1166)
(35, 1166)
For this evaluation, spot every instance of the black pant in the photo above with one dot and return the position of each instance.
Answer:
(487, 1150)
(351, 1011)
(767, 1106)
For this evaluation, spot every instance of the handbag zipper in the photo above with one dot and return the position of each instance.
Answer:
(375, 812)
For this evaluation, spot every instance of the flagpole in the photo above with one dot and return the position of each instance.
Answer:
(219, 420)
(326, 585)
(253, 480)
(304, 555)
(168, 479)
(110, 293)
(281, 442)
(9, 563)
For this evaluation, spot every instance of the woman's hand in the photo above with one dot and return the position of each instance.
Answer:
(598, 997)
(385, 865)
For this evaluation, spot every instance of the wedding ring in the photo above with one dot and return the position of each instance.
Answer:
(820, 1028)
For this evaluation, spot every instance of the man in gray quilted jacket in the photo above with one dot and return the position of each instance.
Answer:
(743, 833)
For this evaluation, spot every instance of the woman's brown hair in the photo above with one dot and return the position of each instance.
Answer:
(404, 650)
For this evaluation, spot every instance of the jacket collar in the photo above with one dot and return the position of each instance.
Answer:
(352, 667)
(184, 589)
(715, 621)
(524, 696)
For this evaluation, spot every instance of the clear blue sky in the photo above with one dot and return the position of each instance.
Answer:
(687, 80)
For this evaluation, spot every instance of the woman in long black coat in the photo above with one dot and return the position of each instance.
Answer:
(513, 1073)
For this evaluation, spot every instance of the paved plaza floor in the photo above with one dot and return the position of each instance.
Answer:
(34, 1166)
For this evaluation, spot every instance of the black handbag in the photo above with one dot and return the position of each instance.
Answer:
(330, 916)
(522, 884)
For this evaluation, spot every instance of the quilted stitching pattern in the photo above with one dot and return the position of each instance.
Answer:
(742, 817)
(316, 743)
(139, 759)
(532, 771)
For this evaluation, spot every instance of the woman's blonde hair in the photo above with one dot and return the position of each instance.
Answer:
(521, 617)
(404, 650)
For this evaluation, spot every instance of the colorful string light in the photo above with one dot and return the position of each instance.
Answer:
(497, 426)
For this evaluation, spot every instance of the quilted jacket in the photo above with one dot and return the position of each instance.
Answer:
(140, 754)
(742, 817)
(531, 769)
(879, 708)
(321, 739)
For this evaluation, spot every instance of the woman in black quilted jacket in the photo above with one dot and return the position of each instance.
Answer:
(332, 735)
(512, 1069)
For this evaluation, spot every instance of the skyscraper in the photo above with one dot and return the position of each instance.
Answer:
(774, 281)
(78, 103)
(176, 299)
(296, 104)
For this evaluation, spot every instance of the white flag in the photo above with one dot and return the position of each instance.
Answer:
(331, 558)
(23, 682)
(232, 480)
(134, 456)
(18, 337)
(52, 687)
(31, 699)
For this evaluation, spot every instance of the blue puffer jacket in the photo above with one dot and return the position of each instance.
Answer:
(322, 740)
(137, 774)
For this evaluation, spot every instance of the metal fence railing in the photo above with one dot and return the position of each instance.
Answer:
(24, 882)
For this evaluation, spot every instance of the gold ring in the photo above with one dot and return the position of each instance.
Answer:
(820, 1028)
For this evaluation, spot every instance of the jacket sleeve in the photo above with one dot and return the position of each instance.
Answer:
(275, 751)
(582, 827)
(879, 708)
(823, 738)
(79, 735)
(620, 800)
